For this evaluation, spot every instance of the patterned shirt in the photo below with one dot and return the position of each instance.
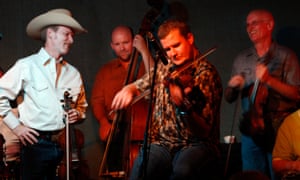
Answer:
(168, 127)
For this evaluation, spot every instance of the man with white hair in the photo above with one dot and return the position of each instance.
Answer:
(266, 78)
(44, 77)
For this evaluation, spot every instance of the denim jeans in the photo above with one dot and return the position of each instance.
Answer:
(196, 162)
(39, 161)
(256, 158)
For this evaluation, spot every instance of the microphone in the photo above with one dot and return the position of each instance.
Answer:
(158, 49)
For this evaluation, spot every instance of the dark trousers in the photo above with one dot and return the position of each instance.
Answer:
(39, 161)
(193, 163)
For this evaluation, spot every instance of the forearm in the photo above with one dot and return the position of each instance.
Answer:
(281, 166)
(147, 60)
(81, 104)
(286, 90)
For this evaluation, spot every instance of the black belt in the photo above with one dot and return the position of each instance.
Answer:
(49, 135)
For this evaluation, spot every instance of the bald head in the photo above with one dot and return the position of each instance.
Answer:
(260, 25)
(122, 29)
(261, 14)
(122, 42)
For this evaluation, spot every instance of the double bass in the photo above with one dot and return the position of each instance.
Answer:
(126, 134)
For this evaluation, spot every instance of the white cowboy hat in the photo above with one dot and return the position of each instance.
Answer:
(52, 17)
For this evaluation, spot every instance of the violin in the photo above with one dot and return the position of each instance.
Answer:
(77, 168)
(253, 123)
(182, 74)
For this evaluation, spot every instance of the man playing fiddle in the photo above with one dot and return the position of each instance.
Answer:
(276, 68)
(184, 127)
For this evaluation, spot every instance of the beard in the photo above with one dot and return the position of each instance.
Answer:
(125, 57)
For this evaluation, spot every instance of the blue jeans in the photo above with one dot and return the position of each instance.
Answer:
(256, 158)
(39, 161)
(198, 161)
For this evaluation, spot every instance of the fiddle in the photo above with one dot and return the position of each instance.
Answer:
(187, 66)
(259, 102)
(181, 75)
(72, 140)
(253, 122)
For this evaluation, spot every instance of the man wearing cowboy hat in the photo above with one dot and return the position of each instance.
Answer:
(44, 77)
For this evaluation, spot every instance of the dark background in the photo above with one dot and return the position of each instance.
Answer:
(214, 23)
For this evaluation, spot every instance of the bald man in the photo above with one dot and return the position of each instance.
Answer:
(110, 79)
(277, 70)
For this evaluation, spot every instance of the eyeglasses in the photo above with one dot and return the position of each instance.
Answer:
(255, 23)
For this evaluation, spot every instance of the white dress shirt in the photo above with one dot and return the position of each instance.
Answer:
(42, 106)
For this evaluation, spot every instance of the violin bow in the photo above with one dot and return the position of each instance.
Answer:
(175, 73)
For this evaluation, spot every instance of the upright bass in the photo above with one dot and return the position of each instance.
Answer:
(126, 134)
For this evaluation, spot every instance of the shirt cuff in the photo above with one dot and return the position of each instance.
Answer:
(11, 120)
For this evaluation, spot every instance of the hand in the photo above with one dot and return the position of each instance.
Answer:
(262, 73)
(176, 94)
(237, 81)
(124, 97)
(139, 43)
(73, 116)
(26, 134)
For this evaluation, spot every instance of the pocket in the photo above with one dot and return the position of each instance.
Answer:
(41, 93)
(39, 87)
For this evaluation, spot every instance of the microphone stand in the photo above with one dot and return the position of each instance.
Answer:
(235, 118)
(143, 169)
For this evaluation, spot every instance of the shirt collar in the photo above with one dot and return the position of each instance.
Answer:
(46, 58)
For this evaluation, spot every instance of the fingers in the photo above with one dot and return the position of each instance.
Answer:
(139, 42)
(120, 101)
(28, 136)
(115, 103)
(262, 72)
(236, 81)
(22, 139)
(73, 116)
(176, 94)
(31, 138)
(123, 98)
